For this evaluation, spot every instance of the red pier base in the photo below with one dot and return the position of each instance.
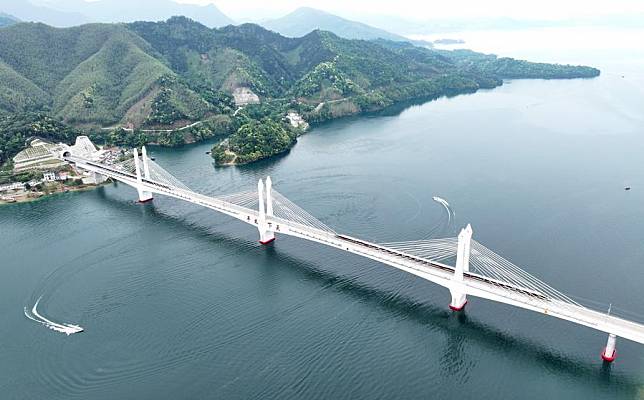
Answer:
(453, 308)
(267, 241)
(610, 358)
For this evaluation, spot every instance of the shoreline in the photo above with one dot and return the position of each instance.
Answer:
(400, 106)
(67, 189)
(396, 106)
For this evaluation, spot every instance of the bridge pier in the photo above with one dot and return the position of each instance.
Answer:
(144, 196)
(457, 286)
(266, 235)
(492, 277)
(610, 352)
(97, 178)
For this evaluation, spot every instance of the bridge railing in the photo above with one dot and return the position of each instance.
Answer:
(482, 272)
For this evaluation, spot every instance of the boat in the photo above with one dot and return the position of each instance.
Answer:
(75, 329)
(67, 329)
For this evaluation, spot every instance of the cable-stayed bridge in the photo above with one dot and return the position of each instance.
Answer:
(464, 266)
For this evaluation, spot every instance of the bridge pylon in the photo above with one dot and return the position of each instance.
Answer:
(266, 235)
(478, 271)
(269, 197)
(144, 196)
(146, 163)
(457, 285)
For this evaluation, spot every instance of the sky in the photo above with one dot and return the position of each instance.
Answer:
(432, 9)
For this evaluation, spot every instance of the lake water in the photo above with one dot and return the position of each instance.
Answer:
(179, 302)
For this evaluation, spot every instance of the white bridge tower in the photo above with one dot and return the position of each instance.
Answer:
(457, 286)
(266, 233)
(144, 196)
(478, 271)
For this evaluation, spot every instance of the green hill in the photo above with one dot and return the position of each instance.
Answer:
(19, 93)
(92, 74)
(509, 68)
(173, 73)
(103, 87)
(105, 74)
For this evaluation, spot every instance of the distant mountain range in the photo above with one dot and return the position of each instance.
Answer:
(448, 25)
(7, 20)
(66, 13)
(27, 11)
(305, 20)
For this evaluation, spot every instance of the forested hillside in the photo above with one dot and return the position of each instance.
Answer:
(16, 129)
(170, 74)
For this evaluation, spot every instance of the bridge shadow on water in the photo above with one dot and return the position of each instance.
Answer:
(459, 328)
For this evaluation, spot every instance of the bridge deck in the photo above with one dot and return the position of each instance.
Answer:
(441, 274)
(484, 287)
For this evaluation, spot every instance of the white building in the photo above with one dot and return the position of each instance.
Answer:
(12, 186)
(49, 176)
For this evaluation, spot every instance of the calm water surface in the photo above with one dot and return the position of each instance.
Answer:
(179, 302)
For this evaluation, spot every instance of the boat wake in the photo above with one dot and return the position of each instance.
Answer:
(445, 204)
(445, 226)
(34, 315)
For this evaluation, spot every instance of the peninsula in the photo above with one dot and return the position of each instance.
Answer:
(178, 81)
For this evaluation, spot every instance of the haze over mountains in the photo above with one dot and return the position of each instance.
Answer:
(6, 20)
(306, 19)
(27, 11)
(368, 26)
(66, 13)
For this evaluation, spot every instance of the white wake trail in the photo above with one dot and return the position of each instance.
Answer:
(446, 205)
(67, 329)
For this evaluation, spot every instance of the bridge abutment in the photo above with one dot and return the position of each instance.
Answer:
(97, 178)
(457, 286)
(144, 196)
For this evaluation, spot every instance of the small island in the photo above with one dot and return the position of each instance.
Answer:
(447, 41)
(254, 141)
